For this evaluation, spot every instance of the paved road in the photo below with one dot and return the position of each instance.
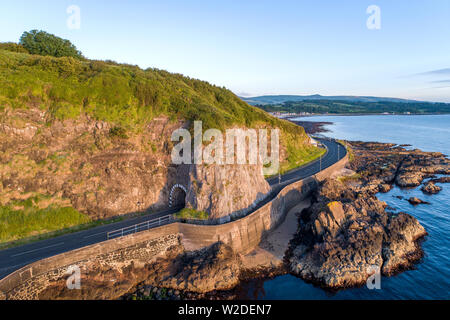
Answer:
(15, 258)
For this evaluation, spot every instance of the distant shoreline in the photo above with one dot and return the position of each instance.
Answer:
(361, 114)
(313, 127)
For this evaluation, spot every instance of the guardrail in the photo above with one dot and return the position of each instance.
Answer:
(150, 224)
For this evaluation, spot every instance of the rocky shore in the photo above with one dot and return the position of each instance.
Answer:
(348, 234)
(337, 241)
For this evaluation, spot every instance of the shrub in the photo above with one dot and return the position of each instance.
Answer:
(118, 132)
(188, 213)
(13, 47)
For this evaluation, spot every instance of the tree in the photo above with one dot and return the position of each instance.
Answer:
(46, 44)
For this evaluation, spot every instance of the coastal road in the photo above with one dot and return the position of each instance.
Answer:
(17, 257)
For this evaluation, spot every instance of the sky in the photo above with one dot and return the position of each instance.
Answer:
(261, 47)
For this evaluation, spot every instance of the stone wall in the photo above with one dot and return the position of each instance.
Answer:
(242, 235)
(138, 249)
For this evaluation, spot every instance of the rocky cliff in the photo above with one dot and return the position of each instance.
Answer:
(85, 163)
(222, 190)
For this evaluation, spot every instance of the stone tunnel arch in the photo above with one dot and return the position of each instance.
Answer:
(177, 196)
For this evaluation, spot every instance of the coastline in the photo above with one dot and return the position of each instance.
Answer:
(361, 114)
(405, 171)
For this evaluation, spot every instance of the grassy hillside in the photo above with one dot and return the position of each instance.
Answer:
(122, 94)
(128, 96)
(77, 171)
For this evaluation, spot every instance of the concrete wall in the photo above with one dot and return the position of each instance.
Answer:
(242, 235)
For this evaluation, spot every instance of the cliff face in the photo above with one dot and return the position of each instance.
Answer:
(85, 163)
(99, 170)
(221, 190)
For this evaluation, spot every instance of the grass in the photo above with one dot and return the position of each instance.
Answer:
(300, 157)
(57, 233)
(353, 177)
(351, 154)
(188, 213)
(21, 223)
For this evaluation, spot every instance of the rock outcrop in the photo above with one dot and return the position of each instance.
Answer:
(213, 268)
(346, 233)
(431, 188)
(382, 164)
(415, 201)
(86, 162)
(223, 190)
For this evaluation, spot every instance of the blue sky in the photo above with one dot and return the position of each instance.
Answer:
(262, 47)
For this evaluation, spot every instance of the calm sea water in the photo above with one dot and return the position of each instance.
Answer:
(431, 277)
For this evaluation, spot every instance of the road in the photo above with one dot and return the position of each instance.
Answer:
(17, 257)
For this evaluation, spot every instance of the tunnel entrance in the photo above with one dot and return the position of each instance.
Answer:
(177, 196)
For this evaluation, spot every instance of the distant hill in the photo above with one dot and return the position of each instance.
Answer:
(277, 99)
(356, 107)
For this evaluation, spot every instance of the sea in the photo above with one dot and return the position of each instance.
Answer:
(430, 277)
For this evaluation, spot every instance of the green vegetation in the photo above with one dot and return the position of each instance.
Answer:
(58, 232)
(129, 97)
(121, 94)
(20, 219)
(351, 154)
(299, 157)
(353, 177)
(118, 132)
(13, 47)
(188, 213)
(45, 44)
(359, 107)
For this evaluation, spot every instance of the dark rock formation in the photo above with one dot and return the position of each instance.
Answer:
(431, 188)
(213, 268)
(347, 232)
(441, 180)
(384, 163)
(415, 201)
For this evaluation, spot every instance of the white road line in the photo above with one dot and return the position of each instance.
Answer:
(22, 253)
(93, 235)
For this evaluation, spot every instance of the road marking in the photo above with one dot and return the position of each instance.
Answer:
(26, 252)
(93, 235)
